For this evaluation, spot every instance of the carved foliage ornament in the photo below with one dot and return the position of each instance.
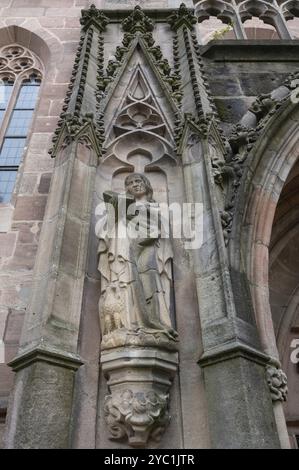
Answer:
(182, 16)
(137, 21)
(246, 133)
(93, 15)
(71, 118)
(277, 382)
(137, 416)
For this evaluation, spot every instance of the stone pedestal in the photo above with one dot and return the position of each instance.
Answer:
(240, 408)
(139, 381)
(42, 420)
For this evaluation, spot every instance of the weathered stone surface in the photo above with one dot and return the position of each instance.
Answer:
(250, 423)
(45, 426)
(24, 257)
(137, 412)
(30, 208)
(27, 232)
(6, 213)
(211, 300)
(7, 244)
(232, 109)
(87, 377)
(28, 183)
(14, 326)
(44, 183)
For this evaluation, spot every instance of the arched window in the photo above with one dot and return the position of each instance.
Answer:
(255, 28)
(20, 78)
(213, 28)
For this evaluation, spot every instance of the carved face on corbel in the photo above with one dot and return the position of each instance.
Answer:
(138, 186)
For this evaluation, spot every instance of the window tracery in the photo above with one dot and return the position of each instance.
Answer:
(20, 79)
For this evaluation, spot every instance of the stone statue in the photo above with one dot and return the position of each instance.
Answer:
(135, 267)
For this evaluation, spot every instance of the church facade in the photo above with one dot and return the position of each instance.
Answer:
(149, 234)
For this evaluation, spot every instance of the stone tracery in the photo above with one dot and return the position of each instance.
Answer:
(16, 60)
(236, 13)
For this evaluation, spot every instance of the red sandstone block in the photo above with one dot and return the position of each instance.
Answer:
(30, 208)
(28, 183)
(7, 244)
(27, 232)
(50, 23)
(44, 183)
(6, 378)
(56, 107)
(24, 257)
(44, 107)
(39, 162)
(55, 91)
(64, 75)
(66, 12)
(83, 3)
(45, 124)
(24, 234)
(15, 289)
(70, 49)
(72, 23)
(5, 3)
(65, 35)
(41, 3)
(38, 142)
(10, 352)
(14, 325)
(22, 12)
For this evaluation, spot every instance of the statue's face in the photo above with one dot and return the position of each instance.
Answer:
(135, 186)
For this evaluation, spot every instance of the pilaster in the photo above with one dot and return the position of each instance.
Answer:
(232, 361)
(47, 360)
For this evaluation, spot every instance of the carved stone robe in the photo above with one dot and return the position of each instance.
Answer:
(135, 277)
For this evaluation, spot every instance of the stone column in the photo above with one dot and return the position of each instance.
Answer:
(239, 403)
(47, 357)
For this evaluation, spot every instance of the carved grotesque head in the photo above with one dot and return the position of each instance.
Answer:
(139, 186)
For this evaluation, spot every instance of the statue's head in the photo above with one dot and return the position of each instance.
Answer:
(139, 186)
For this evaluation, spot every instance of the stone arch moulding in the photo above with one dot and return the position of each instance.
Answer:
(39, 41)
(267, 168)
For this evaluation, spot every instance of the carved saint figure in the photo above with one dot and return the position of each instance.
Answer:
(135, 265)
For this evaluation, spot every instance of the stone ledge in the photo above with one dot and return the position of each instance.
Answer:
(139, 381)
(233, 350)
(140, 358)
(245, 50)
(57, 358)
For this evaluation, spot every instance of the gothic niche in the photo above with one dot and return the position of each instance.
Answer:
(139, 343)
